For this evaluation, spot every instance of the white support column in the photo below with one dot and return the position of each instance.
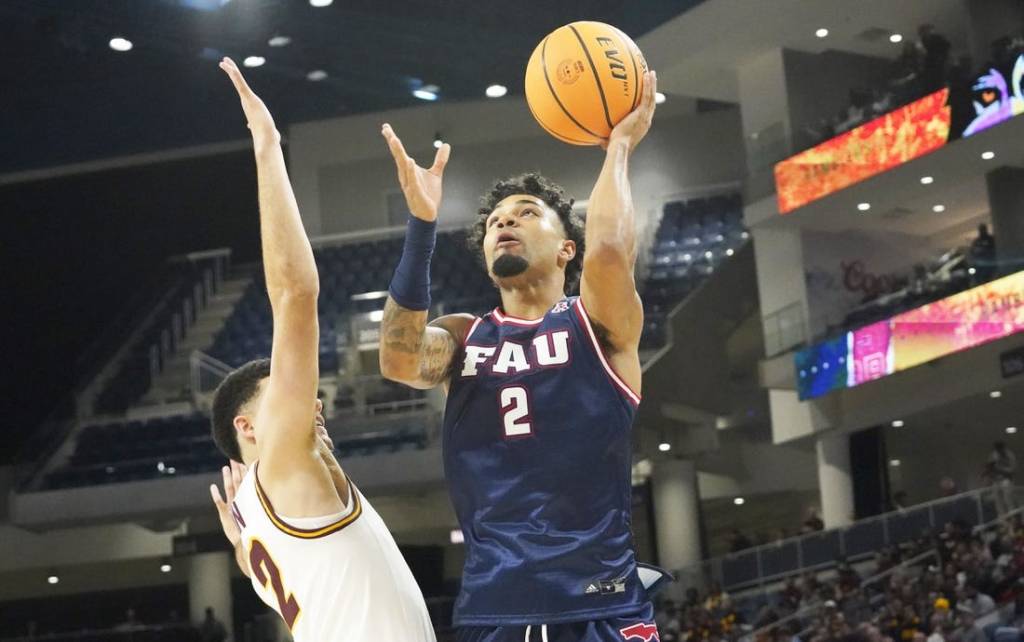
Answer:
(835, 483)
(676, 513)
(209, 585)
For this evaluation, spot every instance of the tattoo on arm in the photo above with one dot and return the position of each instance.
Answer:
(405, 332)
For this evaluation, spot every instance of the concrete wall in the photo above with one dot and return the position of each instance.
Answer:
(342, 172)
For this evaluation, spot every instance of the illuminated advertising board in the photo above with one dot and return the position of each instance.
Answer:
(900, 136)
(964, 320)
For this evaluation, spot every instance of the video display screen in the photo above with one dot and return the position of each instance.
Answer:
(964, 320)
(899, 136)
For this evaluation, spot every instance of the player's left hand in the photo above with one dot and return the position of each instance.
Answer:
(260, 122)
(635, 125)
(232, 477)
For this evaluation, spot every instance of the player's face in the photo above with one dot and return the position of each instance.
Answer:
(524, 233)
(249, 415)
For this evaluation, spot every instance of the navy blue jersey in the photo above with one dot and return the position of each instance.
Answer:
(537, 453)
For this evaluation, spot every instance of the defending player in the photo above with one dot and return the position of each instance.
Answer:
(315, 549)
(541, 397)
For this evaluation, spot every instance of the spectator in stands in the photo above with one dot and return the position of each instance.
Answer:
(212, 630)
(980, 603)
(738, 541)
(983, 255)
(130, 623)
(899, 500)
(813, 521)
(936, 49)
(1000, 469)
(967, 628)
(718, 602)
(947, 487)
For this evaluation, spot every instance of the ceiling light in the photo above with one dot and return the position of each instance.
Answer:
(496, 91)
(165, 568)
(938, 209)
(120, 44)
(316, 75)
(896, 38)
(927, 180)
(376, 316)
(897, 423)
(426, 93)
(894, 463)
(437, 143)
(254, 61)
(321, 3)
(279, 41)
(659, 98)
(821, 33)
(729, 252)
(739, 501)
(863, 207)
(1011, 430)
(745, 235)
(971, 271)
(995, 394)
(53, 579)
(708, 254)
(664, 446)
(988, 155)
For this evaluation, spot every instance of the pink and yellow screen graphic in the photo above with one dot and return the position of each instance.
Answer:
(971, 318)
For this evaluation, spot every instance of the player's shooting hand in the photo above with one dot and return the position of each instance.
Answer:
(260, 122)
(636, 124)
(232, 475)
(422, 187)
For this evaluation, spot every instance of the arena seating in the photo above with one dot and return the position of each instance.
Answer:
(186, 286)
(182, 445)
(694, 236)
(457, 282)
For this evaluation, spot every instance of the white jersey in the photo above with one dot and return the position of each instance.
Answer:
(337, 578)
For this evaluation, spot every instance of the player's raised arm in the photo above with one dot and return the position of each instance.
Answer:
(412, 351)
(607, 288)
(285, 431)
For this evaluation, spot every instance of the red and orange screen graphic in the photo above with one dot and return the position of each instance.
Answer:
(886, 142)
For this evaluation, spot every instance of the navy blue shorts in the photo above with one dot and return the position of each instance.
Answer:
(630, 628)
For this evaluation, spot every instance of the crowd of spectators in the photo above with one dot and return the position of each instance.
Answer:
(934, 589)
(925, 65)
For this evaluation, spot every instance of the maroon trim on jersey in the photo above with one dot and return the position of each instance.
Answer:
(307, 533)
(501, 319)
(469, 332)
(581, 310)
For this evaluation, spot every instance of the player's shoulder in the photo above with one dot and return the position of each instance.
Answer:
(457, 324)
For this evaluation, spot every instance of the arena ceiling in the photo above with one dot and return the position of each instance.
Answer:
(69, 97)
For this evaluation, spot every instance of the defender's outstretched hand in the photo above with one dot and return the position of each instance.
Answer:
(635, 125)
(233, 475)
(260, 122)
(422, 187)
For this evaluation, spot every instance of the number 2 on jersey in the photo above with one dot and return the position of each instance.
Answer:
(264, 569)
(515, 412)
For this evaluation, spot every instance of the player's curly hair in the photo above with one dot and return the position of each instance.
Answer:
(546, 190)
(234, 392)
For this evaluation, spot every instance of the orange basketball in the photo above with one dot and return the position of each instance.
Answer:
(582, 79)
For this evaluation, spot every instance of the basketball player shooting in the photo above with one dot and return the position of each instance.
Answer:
(315, 549)
(541, 397)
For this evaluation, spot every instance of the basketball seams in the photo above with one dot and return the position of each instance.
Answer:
(554, 94)
(561, 137)
(597, 79)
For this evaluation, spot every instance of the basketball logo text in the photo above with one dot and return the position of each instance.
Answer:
(545, 351)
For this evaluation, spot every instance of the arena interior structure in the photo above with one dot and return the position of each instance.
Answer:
(831, 347)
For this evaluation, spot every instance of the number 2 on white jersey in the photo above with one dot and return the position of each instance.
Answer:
(515, 412)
